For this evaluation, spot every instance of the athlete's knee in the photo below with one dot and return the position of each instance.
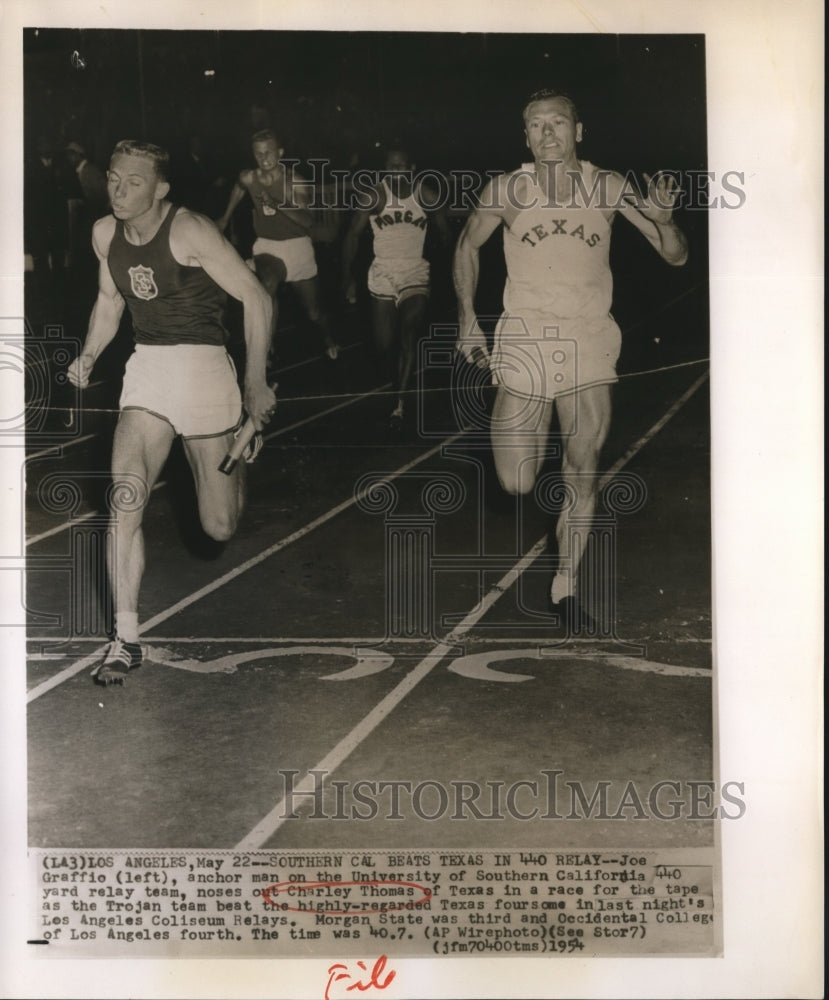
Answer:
(517, 479)
(581, 457)
(316, 314)
(220, 526)
(269, 271)
(128, 495)
(125, 526)
(270, 282)
(384, 346)
(413, 312)
(221, 521)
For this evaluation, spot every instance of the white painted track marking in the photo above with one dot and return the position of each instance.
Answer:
(269, 437)
(321, 640)
(197, 595)
(88, 437)
(367, 662)
(324, 413)
(270, 823)
(476, 666)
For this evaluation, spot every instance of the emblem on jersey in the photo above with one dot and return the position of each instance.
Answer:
(267, 204)
(142, 281)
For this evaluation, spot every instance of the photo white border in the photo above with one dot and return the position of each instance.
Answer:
(765, 117)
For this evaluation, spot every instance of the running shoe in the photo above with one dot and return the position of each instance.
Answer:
(574, 617)
(121, 657)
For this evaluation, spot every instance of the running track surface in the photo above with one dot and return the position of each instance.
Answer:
(289, 653)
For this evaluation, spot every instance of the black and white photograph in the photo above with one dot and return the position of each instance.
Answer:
(373, 580)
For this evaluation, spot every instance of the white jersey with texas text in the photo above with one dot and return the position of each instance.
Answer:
(557, 255)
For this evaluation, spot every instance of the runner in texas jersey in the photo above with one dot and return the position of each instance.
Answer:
(556, 343)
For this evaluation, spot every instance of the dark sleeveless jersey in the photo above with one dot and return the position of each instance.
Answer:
(169, 302)
(268, 221)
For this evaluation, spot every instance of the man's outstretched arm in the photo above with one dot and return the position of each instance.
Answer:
(106, 313)
(351, 241)
(196, 239)
(237, 193)
(465, 269)
(653, 216)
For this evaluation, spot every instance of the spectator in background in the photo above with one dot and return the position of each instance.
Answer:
(197, 182)
(45, 215)
(88, 201)
(92, 180)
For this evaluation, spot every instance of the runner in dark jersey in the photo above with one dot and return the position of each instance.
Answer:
(556, 343)
(172, 268)
(283, 251)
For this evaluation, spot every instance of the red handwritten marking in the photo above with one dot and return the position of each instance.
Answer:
(334, 976)
(286, 888)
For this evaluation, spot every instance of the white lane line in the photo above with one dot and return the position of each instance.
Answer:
(316, 357)
(60, 447)
(471, 667)
(78, 520)
(197, 595)
(275, 818)
(66, 525)
(355, 640)
(657, 427)
(233, 640)
(63, 446)
(62, 527)
(323, 413)
(653, 667)
(268, 826)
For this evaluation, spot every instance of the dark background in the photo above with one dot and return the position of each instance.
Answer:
(454, 99)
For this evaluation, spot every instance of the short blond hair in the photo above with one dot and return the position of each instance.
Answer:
(160, 157)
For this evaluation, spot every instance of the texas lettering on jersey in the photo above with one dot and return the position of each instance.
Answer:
(557, 227)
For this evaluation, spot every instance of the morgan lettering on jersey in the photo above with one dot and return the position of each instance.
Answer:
(392, 218)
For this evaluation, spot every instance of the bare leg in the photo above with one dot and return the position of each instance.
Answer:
(384, 331)
(584, 417)
(519, 430)
(271, 272)
(221, 498)
(309, 296)
(140, 448)
(412, 312)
